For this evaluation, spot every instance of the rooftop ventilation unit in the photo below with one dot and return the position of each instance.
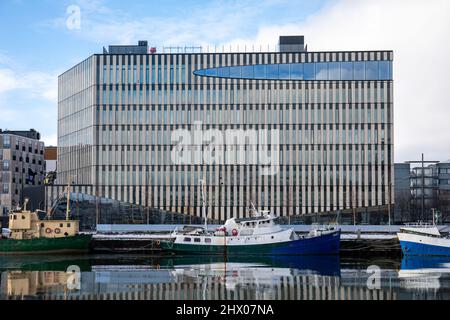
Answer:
(292, 44)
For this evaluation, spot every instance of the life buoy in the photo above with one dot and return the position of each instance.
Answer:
(57, 230)
(48, 230)
(234, 232)
(158, 242)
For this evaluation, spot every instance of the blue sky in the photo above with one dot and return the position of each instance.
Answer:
(36, 45)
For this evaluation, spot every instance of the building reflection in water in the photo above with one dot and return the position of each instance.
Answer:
(191, 279)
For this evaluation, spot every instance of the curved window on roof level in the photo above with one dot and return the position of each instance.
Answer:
(309, 71)
(296, 71)
(235, 72)
(346, 70)
(272, 71)
(283, 71)
(260, 71)
(321, 71)
(371, 70)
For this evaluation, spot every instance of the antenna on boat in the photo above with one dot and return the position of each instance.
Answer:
(202, 184)
(254, 208)
(25, 202)
(68, 199)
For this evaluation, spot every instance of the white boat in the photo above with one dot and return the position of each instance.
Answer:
(256, 235)
(423, 239)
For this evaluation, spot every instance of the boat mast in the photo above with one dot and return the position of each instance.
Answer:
(202, 184)
(253, 206)
(68, 200)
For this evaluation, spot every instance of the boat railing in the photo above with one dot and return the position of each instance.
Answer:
(317, 226)
(419, 224)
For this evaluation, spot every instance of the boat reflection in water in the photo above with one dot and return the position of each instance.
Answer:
(135, 277)
(33, 283)
(425, 273)
(320, 265)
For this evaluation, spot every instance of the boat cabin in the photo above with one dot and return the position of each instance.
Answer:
(261, 224)
(24, 224)
(421, 229)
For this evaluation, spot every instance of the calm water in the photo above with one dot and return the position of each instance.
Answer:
(127, 277)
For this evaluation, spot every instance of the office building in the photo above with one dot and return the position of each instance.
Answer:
(430, 192)
(402, 182)
(331, 114)
(21, 165)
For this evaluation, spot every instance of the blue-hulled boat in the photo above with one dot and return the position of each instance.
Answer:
(257, 235)
(423, 240)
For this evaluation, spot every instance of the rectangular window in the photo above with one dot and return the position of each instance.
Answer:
(296, 71)
(358, 71)
(104, 74)
(334, 71)
(223, 72)
(322, 71)
(5, 165)
(284, 71)
(309, 71)
(183, 73)
(259, 71)
(384, 70)
(153, 75)
(235, 72)
(371, 70)
(272, 71)
(6, 142)
(346, 70)
(247, 72)
(171, 75)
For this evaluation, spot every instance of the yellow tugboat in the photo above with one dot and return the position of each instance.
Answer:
(30, 235)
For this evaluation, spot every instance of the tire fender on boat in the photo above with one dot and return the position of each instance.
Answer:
(57, 230)
(48, 230)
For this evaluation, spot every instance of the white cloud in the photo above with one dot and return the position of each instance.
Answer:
(32, 84)
(28, 98)
(50, 140)
(8, 80)
(204, 23)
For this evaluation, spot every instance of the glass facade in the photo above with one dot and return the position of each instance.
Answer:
(365, 70)
(333, 111)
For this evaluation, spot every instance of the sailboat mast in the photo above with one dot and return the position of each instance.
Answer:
(68, 200)
(202, 182)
